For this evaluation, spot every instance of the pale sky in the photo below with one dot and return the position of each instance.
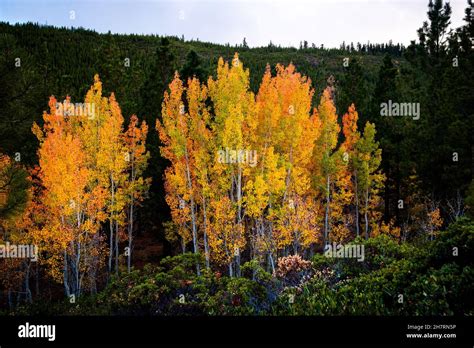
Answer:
(285, 22)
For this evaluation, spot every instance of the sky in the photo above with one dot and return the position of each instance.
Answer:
(284, 22)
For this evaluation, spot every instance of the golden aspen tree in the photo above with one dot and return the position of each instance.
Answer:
(233, 126)
(298, 193)
(265, 189)
(263, 196)
(201, 138)
(172, 140)
(112, 163)
(325, 155)
(299, 128)
(175, 134)
(369, 177)
(91, 130)
(222, 237)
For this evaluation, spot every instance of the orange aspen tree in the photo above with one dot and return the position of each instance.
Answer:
(289, 129)
(434, 221)
(301, 129)
(84, 167)
(66, 177)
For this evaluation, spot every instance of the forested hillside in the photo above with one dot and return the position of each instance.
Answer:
(62, 62)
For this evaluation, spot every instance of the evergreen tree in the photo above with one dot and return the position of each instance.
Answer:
(352, 88)
(192, 68)
(160, 74)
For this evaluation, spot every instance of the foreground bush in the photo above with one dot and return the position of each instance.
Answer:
(435, 278)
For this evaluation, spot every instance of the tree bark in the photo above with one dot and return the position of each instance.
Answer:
(326, 215)
(357, 204)
(206, 245)
(366, 213)
(193, 217)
